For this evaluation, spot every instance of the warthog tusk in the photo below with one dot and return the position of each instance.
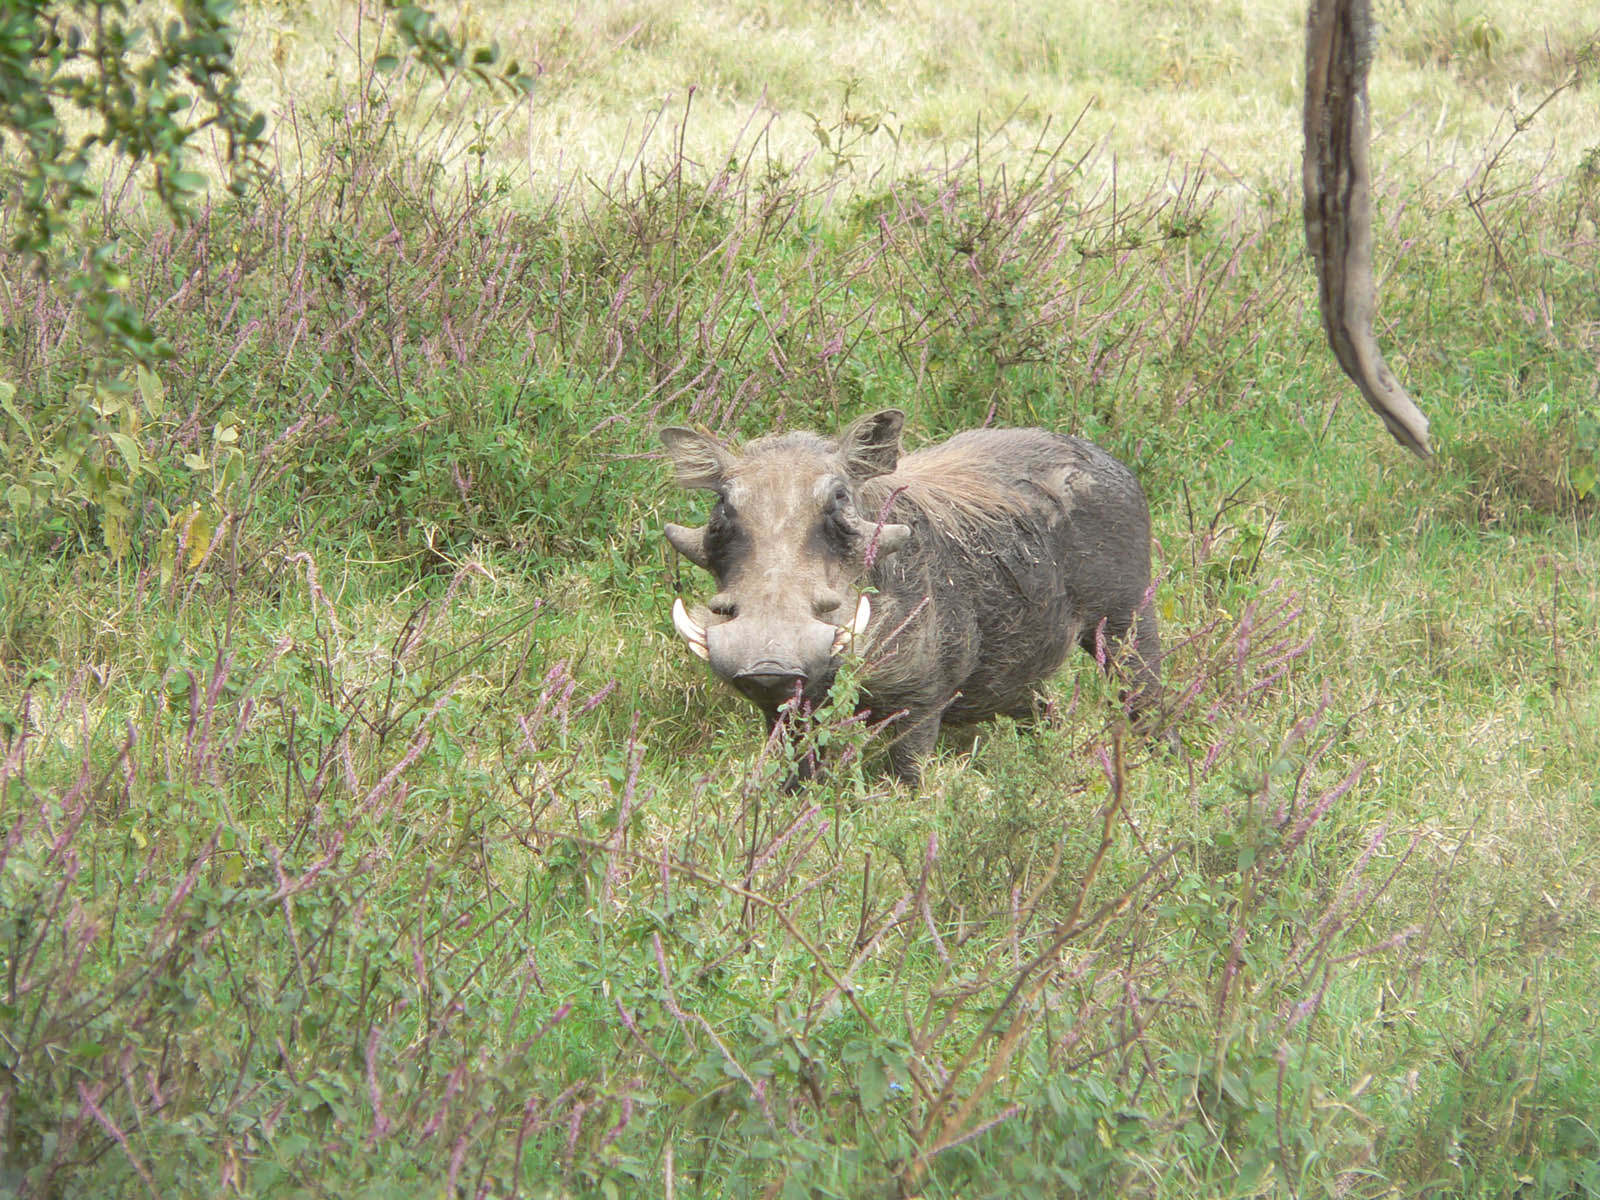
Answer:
(690, 630)
(858, 626)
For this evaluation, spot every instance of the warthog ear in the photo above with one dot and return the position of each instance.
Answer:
(691, 543)
(701, 460)
(871, 445)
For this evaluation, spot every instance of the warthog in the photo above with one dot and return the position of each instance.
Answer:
(963, 572)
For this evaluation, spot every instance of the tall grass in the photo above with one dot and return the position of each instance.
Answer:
(365, 832)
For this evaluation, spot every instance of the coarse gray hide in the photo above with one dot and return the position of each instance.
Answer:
(963, 573)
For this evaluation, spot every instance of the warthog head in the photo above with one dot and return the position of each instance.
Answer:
(788, 543)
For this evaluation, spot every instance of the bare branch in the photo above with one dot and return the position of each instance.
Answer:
(1338, 207)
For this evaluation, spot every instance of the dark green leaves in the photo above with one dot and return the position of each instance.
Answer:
(80, 75)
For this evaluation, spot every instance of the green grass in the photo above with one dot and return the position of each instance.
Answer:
(367, 832)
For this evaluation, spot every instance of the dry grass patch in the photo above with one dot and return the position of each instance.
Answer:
(1156, 81)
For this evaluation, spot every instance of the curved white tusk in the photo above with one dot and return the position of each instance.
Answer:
(858, 626)
(689, 629)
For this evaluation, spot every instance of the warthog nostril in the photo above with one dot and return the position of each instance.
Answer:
(770, 683)
(772, 670)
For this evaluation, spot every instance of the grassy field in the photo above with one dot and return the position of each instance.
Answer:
(367, 832)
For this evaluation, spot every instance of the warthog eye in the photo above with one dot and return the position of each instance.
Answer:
(722, 530)
(838, 530)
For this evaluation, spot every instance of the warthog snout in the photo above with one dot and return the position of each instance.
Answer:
(770, 661)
